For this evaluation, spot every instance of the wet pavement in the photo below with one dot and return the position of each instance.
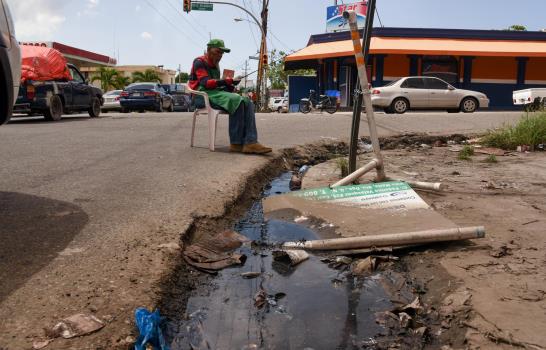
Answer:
(313, 305)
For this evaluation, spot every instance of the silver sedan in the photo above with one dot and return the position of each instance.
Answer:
(426, 93)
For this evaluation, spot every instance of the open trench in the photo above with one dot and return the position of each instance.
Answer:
(318, 304)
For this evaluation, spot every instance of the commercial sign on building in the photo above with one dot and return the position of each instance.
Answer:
(334, 16)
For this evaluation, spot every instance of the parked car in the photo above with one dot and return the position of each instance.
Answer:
(426, 93)
(145, 97)
(10, 64)
(275, 103)
(181, 99)
(53, 98)
(285, 108)
(111, 101)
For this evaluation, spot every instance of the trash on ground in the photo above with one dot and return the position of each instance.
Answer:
(303, 170)
(501, 251)
(250, 275)
(215, 253)
(295, 182)
(196, 331)
(490, 151)
(300, 219)
(40, 344)
(364, 147)
(364, 266)
(149, 327)
(262, 299)
(75, 326)
(293, 257)
(455, 302)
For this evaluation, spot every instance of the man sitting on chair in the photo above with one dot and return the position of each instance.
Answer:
(205, 76)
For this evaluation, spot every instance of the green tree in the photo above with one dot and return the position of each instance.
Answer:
(107, 77)
(149, 75)
(183, 77)
(120, 82)
(517, 28)
(277, 75)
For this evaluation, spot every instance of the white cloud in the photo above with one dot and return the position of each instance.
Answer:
(137, 8)
(37, 19)
(146, 36)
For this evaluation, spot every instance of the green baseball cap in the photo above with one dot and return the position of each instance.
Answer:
(218, 44)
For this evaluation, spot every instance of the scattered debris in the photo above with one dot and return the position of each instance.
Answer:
(213, 254)
(523, 148)
(364, 266)
(530, 222)
(293, 257)
(301, 219)
(364, 147)
(75, 326)
(501, 251)
(40, 344)
(262, 299)
(490, 151)
(456, 302)
(149, 327)
(172, 246)
(303, 170)
(295, 182)
(196, 331)
(250, 275)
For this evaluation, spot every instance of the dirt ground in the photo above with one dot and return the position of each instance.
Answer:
(491, 292)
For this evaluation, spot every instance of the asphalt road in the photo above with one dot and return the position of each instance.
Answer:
(81, 200)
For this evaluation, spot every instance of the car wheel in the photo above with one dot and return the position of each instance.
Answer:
(453, 111)
(94, 110)
(171, 107)
(55, 110)
(469, 105)
(399, 105)
(279, 110)
(159, 108)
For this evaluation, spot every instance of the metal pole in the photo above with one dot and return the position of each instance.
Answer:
(357, 107)
(246, 72)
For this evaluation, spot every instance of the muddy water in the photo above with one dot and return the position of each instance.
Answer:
(309, 306)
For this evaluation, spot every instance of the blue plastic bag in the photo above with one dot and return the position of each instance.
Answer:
(149, 326)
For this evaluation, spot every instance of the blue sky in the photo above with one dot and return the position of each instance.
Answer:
(157, 32)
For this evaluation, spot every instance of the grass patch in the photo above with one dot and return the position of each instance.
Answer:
(466, 153)
(343, 165)
(491, 159)
(530, 130)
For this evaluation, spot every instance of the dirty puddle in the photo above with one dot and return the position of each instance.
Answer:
(317, 304)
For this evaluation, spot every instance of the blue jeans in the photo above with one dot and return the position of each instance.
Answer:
(242, 125)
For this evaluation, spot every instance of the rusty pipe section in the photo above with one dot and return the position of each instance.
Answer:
(394, 239)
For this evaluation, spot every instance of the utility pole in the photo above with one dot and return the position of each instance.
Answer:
(246, 72)
(262, 66)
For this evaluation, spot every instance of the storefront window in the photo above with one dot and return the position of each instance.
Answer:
(443, 67)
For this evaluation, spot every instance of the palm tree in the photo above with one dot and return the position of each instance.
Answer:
(107, 77)
(149, 75)
(120, 82)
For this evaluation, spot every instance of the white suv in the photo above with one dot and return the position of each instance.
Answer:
(10, 63)
(276, 103)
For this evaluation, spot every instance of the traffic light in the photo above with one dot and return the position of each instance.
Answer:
(264, 59)
(187, 5)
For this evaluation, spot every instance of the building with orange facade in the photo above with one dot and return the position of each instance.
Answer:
(494, 62)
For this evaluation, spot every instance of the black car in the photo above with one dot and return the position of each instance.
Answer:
(182, 100)
(55, 97)
(145, 97)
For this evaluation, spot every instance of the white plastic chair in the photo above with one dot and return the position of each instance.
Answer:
(208, 111)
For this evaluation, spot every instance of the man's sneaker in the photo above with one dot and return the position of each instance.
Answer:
(256, 148)
(235, 148)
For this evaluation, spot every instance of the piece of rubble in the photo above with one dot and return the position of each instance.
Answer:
(291, 256)
(75, 326)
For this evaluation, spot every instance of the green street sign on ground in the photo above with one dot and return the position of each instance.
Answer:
(201, 6)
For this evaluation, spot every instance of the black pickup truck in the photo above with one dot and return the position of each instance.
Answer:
(55, 97)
